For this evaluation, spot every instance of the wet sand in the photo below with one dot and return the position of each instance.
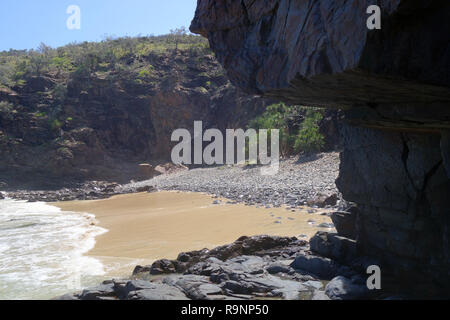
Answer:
(145, 227)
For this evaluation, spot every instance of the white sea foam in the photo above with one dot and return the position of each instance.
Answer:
(42, 250)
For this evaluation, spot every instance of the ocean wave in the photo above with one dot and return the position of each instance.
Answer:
(42, 250)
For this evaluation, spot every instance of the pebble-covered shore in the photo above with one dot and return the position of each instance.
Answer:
(304, 180)
(307, 180)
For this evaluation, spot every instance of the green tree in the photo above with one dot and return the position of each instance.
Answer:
(38, 64)
(6, 75)
(61, 63)
(176, 35)
(298, 127)
(40, 59)
(278, 116)
(59, 94)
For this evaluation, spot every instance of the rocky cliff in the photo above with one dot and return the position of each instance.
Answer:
(63, 124)
(394, 86)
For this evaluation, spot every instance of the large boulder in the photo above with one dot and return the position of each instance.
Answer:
(333, 246)
(342, 288)
(322, 267)
(98, 293)
(345, 223)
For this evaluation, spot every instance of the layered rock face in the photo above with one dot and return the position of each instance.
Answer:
(392, 83)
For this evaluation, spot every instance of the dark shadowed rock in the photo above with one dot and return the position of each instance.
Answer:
(68, 297)
(157, 292)
(322, 200)
(345, 223)
(96, 293)
(333, 246)
(145, 290)
(251, 245)
(342, 288)
(257, 245)
(445, 149)
(146, 189)
(287, 289)
(278, 268)
(163, 266)
(147, 171)
(219, 270)
(141, 269)
(136, 285)
(322, 267)
(195, 287)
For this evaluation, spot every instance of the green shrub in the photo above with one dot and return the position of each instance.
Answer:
(6, 107)
(55, 124)
(20, 82)
(309, 139)
(6, 75)
(202, 90)
(277, 116)
(59, 93)
(7, 110)
(63, 63)
(296, 135)
(144, 74)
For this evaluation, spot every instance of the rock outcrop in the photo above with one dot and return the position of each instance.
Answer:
(392, 83)
(250, 268)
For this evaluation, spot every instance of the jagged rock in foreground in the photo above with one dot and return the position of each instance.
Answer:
(249, 268)
(394, 86)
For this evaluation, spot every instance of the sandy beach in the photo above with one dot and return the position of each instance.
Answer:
(144, 227)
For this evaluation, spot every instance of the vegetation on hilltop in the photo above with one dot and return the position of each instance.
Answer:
(35, 84)
(130, 56)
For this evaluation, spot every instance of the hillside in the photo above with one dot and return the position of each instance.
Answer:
(96, 110)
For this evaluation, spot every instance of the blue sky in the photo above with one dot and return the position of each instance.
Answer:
(24, 24)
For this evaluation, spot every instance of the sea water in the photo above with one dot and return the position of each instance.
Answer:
(42, 251)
